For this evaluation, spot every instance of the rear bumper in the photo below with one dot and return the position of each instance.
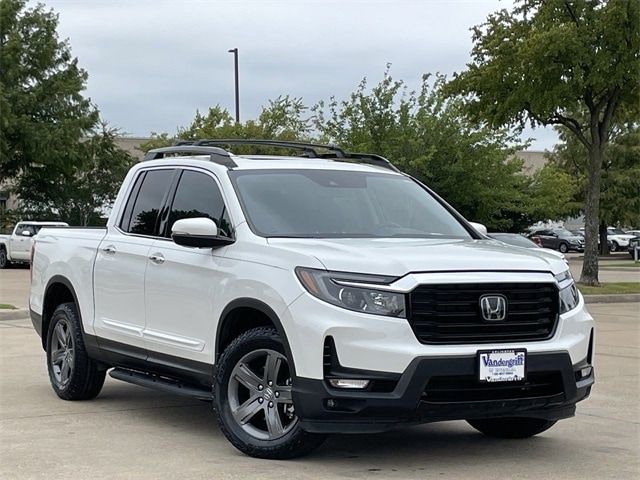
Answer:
(324, 409)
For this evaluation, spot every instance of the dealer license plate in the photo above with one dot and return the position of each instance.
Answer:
(502, 365)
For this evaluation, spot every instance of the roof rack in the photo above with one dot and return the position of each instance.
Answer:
(217, 155)
(221, 156)
(310, 150)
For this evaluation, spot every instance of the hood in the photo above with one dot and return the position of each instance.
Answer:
(624, 236)
(397, 257)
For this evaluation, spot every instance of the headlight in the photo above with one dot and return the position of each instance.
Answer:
(360, 293)
(569, 296)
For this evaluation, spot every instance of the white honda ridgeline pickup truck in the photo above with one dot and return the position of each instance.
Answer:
(308, 295)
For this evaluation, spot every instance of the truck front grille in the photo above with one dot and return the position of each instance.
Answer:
(451, 313)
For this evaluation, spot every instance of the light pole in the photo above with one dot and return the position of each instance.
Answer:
(235, 62)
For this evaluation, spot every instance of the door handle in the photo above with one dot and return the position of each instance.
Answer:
(157, 258)
(110, 250)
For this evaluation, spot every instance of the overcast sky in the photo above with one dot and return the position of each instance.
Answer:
(151, 64)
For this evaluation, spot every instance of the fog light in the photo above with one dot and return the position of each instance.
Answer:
(348, 383)
(585, 372)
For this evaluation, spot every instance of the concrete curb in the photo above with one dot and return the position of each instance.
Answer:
(613, 298)
(14, 314)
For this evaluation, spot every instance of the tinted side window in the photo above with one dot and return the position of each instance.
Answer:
(198, 195)
(145, 210)
(126, 217)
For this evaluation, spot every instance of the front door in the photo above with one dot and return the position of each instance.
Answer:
(182, 282)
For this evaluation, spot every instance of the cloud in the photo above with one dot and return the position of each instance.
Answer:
(151, 64)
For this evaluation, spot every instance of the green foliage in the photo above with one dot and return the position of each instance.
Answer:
(83, 186)
(547, 59)
(42, 110)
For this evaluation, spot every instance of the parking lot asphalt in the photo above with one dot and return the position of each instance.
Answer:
(130, 432)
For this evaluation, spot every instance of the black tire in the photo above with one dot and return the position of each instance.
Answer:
(514, 427)
(295, 442)
(84, 378)
(4, 261)
(615, 247)
(563, 247)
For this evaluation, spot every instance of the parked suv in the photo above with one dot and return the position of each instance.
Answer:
(559, 239)
(308, 295)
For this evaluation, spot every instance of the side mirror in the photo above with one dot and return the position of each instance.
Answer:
(199, 232)
(479, 227)
(26, 233)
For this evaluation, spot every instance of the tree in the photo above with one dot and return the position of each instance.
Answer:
(42, 110)
(559, 62)
(81, 188)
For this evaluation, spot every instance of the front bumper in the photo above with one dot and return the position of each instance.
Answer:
(323, 409)
(388, 344)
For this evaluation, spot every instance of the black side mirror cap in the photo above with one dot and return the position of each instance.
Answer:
(201, 241)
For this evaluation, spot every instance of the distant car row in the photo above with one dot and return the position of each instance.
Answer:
(565, 240)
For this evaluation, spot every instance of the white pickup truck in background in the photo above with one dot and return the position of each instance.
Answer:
(16, 248)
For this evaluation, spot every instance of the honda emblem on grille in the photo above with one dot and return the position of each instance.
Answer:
(493, 307)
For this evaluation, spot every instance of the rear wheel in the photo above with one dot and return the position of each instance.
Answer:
(73, 375)
(4, 261)
(514, 427)
(253, 398)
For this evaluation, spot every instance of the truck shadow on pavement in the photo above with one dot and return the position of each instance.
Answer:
(439, 443)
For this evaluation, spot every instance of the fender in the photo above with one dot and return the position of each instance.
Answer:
(263, 308)
(90, 341)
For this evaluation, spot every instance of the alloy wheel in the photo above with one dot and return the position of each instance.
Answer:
(259, 393)
(62, 353)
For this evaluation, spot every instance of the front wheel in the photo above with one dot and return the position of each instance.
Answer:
(515, 427)
(615, 247)
(564, 248)
(253, 398)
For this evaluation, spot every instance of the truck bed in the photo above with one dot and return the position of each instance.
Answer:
(68, 253)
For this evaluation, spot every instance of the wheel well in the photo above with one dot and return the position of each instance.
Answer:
(57, 293)
(238, 321)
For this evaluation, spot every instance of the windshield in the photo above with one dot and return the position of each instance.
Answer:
(514, 239)
(341, 204)
(561, 232)
(616, 231)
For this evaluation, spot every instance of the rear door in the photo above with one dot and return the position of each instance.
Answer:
(182, 282)
(122, 259)
(547, 239)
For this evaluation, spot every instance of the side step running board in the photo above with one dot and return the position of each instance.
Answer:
(160, 383)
